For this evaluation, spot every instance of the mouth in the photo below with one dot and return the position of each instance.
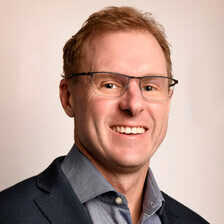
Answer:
(129, 130)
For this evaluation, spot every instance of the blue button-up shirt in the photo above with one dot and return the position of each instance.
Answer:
(101, 200)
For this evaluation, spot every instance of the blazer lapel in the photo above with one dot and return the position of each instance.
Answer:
(60, 204)
(169, 218)
(169, 213)
(164, 218)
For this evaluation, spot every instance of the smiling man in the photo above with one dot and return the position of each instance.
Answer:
(117, 85)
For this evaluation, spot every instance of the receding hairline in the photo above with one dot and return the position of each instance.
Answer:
(110, 20)
(93, 42)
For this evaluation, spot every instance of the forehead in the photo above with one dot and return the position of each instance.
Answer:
(130, 53)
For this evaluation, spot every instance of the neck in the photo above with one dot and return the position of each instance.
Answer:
(130, 184)
(132, 187)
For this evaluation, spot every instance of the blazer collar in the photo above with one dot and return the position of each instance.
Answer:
(59, 203)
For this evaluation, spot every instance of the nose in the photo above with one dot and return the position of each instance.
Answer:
(132, 101)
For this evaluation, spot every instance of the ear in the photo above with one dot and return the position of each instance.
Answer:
(66, 97)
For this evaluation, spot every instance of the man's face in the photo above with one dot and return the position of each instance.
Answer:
(131, 53)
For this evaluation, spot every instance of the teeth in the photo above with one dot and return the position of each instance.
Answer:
(139, 130)
(134, 130)
(129, 130)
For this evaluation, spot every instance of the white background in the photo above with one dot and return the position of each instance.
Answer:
(34, 129)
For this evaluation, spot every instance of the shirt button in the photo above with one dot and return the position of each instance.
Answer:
(118, 200)
(153, 204)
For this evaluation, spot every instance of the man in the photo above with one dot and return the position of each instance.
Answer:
(118, 86)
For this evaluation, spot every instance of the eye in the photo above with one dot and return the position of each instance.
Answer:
(109, 86)
(148, 88)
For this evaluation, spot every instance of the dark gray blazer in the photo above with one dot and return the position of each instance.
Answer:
(49, 198)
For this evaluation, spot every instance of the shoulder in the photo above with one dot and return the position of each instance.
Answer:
(178, 211)
(25, 189)
(18, 203)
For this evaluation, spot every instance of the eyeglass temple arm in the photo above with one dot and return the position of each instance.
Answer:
(175, 82)
(78, 74)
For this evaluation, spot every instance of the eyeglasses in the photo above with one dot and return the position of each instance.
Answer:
(110, 84)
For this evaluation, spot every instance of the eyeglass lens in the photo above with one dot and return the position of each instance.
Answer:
(114, 85)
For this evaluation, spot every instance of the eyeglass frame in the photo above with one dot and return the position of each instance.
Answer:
(129, 77)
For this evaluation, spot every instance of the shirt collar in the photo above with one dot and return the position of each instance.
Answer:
(85, 179)
(87, 182)
(153, 199)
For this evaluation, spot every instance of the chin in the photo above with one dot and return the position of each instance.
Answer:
(131, 160)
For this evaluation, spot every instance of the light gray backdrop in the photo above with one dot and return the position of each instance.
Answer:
(34, 129)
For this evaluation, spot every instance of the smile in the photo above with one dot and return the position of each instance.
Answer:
(129, 130)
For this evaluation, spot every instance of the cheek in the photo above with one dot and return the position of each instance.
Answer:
(159, 112)
(81, 99)
(92, 117)
(100, 109)
(95, 124)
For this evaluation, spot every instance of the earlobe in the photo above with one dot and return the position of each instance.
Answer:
(65, 97)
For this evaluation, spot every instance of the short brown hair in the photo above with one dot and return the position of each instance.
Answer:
(111, 19)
